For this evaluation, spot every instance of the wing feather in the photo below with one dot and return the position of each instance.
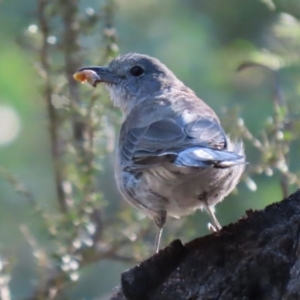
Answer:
(169, 138)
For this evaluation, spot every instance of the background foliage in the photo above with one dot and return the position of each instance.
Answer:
(64, 231)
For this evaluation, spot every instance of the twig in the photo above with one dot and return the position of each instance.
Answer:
(280, 120)
(52, 115)
(18, 186)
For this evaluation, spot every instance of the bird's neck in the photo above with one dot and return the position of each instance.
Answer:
(126, 100)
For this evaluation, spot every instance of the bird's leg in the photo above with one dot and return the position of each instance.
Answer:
(157, 240)
(160, 220)
(216, 226)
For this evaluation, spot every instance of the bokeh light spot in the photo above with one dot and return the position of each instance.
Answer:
(10, 125)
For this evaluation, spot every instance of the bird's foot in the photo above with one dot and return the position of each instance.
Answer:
(213, 228)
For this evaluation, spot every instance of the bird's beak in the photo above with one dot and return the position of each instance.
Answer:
(94, 75)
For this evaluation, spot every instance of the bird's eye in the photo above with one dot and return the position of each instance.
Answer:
(137, 71)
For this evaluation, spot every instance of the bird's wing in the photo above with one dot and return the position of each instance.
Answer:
(194, 141)
(203, 130)
(152, 144)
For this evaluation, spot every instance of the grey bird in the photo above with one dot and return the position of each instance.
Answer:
(173, 156)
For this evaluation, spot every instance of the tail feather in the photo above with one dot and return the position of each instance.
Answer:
(201, 157)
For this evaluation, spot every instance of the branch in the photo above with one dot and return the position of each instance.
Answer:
(52, 115)
(256, 258)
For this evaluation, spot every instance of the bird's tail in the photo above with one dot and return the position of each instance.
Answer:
(202, 157)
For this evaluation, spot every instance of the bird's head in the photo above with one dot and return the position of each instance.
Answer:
(134, 78)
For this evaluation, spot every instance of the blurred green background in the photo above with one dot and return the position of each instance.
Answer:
(203, 42)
